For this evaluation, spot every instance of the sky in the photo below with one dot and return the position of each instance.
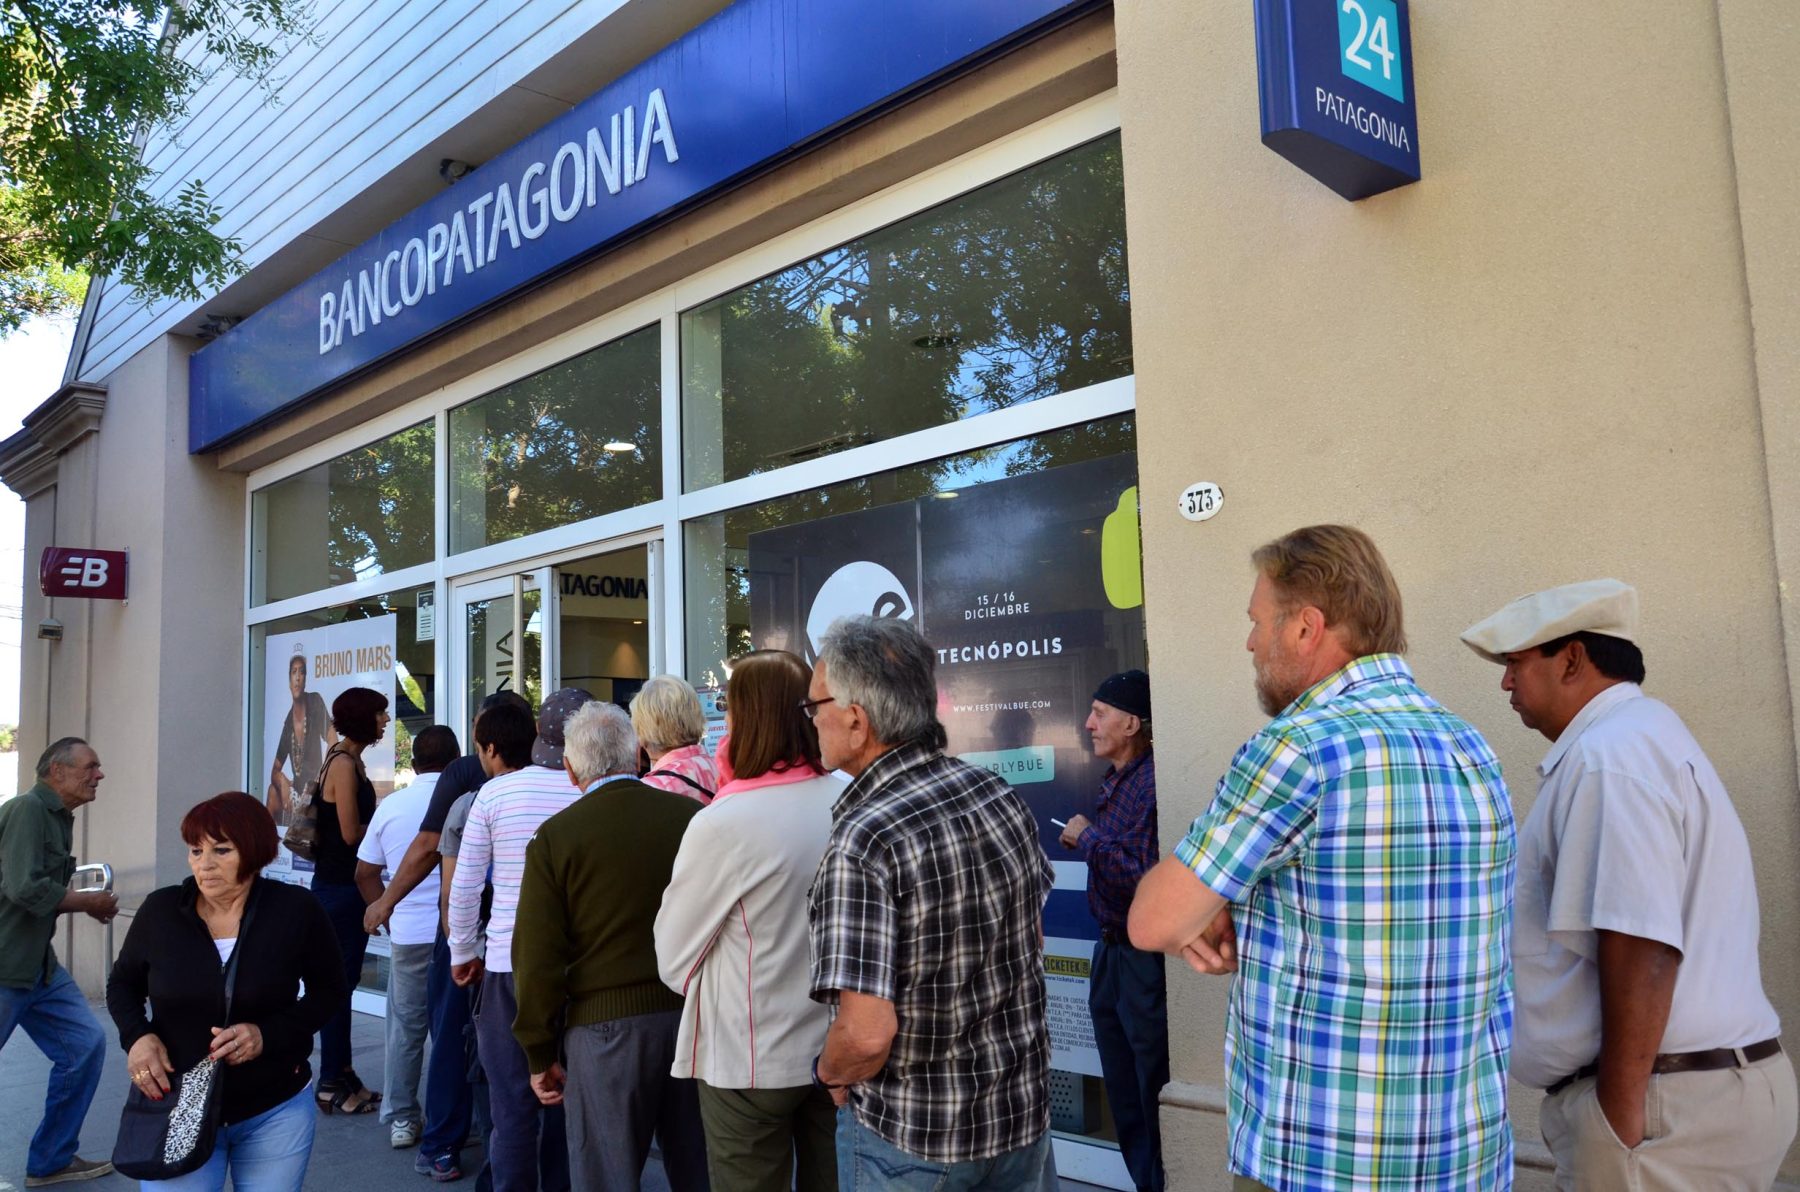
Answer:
(31, 360)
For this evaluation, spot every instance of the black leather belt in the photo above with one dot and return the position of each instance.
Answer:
(1686, 1061)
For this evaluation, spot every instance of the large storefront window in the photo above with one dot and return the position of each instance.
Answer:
(1020, 563)
(364, 514)
(1011, 293)
(572, 442)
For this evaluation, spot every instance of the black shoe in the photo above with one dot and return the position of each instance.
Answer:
(78, 1169)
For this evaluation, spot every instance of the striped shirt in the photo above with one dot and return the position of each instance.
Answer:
(1366, 838)
(504, 817)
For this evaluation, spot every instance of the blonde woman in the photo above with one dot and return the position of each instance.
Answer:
(668, 721)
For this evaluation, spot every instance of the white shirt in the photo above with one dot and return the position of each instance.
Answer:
(396, 822)
(1632, 832)
(732, 935)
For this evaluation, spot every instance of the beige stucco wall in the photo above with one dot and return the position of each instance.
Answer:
(1535, 366)
(154, 682)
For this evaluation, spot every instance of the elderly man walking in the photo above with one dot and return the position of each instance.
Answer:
(1365, 838)
(36, 838)
(1635, 947)
(926, 936)
(584, 959)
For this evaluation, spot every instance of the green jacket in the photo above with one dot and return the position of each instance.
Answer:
(37, 836)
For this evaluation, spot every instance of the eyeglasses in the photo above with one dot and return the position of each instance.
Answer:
(811, 706)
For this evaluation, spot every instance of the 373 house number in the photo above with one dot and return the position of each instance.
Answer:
(1201, 501)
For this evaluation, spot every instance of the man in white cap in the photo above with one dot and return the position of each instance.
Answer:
(1635, 928)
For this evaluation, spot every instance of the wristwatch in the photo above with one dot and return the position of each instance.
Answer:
(818, 1083)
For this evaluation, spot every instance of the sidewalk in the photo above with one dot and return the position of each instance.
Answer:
(348, 1153)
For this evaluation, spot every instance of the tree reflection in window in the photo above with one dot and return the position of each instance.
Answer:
(575, 441)
(363, 514)
(1011, 293)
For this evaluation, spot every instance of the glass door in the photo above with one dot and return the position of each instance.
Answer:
(506, 631)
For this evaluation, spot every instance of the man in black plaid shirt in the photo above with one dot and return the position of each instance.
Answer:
(926, 935)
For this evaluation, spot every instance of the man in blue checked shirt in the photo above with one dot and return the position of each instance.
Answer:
(1364, 841)
(1127, 993)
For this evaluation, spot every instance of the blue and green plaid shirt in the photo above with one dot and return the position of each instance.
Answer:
(1366, 838)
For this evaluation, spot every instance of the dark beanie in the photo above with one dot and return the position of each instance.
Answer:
(1128, 691)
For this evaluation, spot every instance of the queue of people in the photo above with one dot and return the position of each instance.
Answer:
(817, 959)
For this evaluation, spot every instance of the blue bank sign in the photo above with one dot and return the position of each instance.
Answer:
(761, 80)
(1337, 96)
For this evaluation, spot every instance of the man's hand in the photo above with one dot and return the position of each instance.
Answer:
(1071, 835)
(548, 1084)
(1637, 987)
(1214, 951)
(840, 1097)
(468, 972)
(377, 915)
(100, 905)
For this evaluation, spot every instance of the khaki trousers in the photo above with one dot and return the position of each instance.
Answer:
(1725, 1130)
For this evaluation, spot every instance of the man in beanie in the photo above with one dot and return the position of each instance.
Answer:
(1127, 994)
(1635, 939)
(526, 786)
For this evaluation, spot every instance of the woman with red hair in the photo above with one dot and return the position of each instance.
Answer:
(174, 960)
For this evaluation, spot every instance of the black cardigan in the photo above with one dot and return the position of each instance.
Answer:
(169, 959)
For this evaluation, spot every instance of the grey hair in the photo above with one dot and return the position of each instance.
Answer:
(60, 753)
(597, 741)
(885, 667)
(667, 715)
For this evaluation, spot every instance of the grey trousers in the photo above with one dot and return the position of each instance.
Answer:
(619, 1094)
(408, 1016)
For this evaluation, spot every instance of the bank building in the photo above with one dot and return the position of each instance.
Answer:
(583, 343)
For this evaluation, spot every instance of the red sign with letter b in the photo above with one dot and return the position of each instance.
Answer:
(83, 574)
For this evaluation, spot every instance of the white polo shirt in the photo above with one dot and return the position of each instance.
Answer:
(1632, 832)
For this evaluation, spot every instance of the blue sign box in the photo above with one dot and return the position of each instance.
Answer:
(759, 82)
(1337, 91)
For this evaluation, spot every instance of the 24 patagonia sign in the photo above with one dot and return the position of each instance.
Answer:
(1336, 80)
(762, 80)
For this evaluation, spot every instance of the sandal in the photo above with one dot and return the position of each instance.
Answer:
(350, 1096)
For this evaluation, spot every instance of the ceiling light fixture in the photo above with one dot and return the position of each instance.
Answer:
(620, 445)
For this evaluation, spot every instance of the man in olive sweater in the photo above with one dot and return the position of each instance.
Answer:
(584, 965)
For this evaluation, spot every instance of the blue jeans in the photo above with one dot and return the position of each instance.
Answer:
(1127, 995)
(266, 1153)
(344, 906)
(449, 1091)
(56, 1017)
(867, 1162)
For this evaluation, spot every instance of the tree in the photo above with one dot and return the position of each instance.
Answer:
(82, 83)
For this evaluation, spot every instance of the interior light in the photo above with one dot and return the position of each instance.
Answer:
(620, 445)
(945, 494)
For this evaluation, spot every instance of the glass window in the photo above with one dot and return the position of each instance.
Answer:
(577, 440)
(1011, 293)
(1020, 563)
(366, 513)
(299, 664)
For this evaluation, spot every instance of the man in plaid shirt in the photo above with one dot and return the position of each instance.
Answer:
(1127, 992)
(926, 936)
(1365, 838)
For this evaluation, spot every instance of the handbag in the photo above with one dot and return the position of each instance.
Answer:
(302, 835)
(159, 1140)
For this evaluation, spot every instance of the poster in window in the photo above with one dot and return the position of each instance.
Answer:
(305, 671)
(1030, 591)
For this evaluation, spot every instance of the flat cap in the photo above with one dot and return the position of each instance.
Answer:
(1603, 606)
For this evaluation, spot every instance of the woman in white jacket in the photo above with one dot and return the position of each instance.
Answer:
(732, 939)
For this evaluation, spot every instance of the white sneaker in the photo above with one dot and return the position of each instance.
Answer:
(403, 1134)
